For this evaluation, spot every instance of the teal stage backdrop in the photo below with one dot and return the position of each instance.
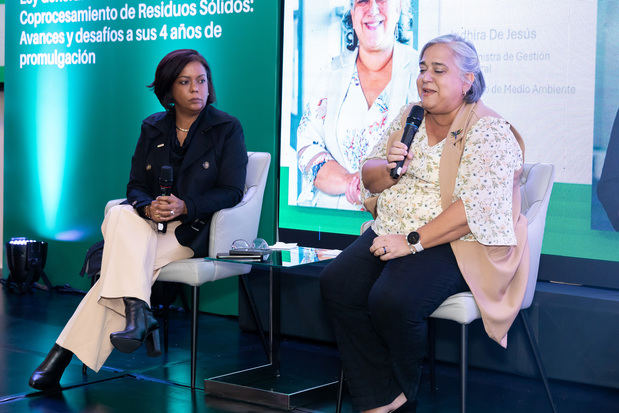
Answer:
(75, 84)
(2, 41)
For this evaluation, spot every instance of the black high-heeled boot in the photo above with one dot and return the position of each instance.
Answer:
(141, 325)
(47, 375)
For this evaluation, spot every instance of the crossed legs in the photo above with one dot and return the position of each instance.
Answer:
(133, 255)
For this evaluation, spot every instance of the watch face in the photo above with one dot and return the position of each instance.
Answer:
(413, 237)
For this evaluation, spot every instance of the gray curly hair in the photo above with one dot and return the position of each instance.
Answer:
(467, 61)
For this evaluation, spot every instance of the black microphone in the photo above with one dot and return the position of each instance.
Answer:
(166, 178)
(412, 125)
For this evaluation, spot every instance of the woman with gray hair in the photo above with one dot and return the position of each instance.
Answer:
(450, 223)
(354, 101)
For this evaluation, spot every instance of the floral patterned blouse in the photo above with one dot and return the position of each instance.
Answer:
(358, 128)
(484, 183)
(357, 131)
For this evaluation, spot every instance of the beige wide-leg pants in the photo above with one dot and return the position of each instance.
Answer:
(133, 255)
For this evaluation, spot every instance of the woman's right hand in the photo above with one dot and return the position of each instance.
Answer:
(154, 212)
(150, 213)
(397, 152)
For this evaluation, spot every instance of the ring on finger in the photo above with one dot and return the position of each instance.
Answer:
(172, 212)
(384, 250)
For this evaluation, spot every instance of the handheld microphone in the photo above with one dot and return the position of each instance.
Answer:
(412, 125)
(165, 185)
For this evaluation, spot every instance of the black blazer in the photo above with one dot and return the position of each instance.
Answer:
(211, 176)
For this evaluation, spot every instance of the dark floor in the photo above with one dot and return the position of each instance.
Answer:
(134, 382)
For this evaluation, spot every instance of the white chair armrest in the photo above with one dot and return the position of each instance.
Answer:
(239, 222)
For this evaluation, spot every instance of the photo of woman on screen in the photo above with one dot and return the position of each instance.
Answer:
(353, 101)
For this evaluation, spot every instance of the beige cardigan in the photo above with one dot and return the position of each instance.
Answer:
(496, 275)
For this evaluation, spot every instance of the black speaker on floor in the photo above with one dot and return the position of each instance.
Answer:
(26, 259)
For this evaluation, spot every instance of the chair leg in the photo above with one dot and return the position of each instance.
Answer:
(194, 334)
(538, 359)
(254, 312)
(464, 364)
(432, 353)
(340, 391)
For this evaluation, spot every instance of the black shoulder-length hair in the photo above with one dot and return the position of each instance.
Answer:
(168, 70)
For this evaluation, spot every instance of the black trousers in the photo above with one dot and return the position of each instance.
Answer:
(379, 312)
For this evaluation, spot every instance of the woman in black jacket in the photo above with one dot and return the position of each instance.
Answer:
(204, 149)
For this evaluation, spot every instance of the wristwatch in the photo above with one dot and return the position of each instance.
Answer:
(413, 242)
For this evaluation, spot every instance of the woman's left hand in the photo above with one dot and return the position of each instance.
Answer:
(391, 246)
(353, 190)
(166, 208)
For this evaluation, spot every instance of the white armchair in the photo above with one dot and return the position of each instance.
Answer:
(227, 225)
(535, 188)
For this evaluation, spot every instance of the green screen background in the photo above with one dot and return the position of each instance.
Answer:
(70, 133)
